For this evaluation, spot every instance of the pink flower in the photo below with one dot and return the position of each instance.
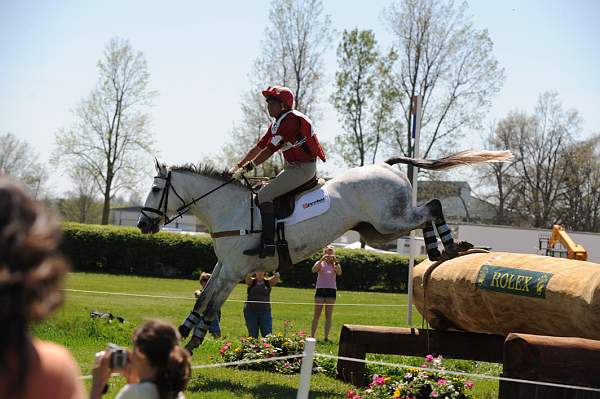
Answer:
(441, 381)
(469, 384)
(350, 394)
(379, 381)
(408, 375)
(286, 365)
(302, 333)
(429, 358)
(267, 346)
(434, 394)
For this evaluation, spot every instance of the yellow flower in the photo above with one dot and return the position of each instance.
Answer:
(397, 393)
(237, 350)
(386, 379)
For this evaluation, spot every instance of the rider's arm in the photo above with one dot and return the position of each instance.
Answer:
(250, 156)
(248, 280)
(263, 156)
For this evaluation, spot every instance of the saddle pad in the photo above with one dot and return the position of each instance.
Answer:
(309, 205)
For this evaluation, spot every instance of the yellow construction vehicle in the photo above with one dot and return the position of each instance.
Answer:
(569, 249)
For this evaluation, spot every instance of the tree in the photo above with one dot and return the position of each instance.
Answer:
(19, 160)
(539, 155)
(81, 204)
(292, 55)
(502, 177)
(444, 59)
(355, 93)
(111, 134)
(579, 205)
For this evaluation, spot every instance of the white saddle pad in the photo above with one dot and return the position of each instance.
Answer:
(309, 205)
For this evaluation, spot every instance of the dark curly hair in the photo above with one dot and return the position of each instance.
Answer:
(158, 340)
(31, 274)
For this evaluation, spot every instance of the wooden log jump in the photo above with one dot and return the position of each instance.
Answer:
(563, 360)
(356, 341)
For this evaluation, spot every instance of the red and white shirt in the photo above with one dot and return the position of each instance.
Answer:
(287, 134)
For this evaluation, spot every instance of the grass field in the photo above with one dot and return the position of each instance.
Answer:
(73, 327)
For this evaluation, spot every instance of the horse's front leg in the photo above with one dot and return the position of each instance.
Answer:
(195, 317)
(214, 301)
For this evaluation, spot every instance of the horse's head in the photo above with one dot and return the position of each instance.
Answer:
(161, 198)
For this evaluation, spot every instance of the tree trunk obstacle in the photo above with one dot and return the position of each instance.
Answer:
(494, 303)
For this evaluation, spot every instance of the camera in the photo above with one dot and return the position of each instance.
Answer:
(118, 356)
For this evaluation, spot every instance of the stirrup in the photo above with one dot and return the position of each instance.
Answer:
(263, 250)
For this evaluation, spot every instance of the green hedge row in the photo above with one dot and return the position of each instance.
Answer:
(123, 250)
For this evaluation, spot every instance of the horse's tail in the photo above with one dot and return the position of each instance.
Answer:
(467, 157)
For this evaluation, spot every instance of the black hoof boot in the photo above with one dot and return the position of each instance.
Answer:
(451, 250)
(183, 331)
(434, 255)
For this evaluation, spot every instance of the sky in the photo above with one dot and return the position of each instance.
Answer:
(200, 55)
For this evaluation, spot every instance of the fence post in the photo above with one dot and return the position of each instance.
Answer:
(306, 370)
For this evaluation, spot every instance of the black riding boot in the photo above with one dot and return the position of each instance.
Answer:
(267, 245)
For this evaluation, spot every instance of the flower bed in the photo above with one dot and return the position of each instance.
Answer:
(416, 384)
(273, 345)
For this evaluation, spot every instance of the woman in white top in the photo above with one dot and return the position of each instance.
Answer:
(157, 368)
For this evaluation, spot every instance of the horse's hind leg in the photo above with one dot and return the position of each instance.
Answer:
(450, 247)
(430, 241)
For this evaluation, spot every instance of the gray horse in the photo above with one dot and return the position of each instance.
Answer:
(374, 200)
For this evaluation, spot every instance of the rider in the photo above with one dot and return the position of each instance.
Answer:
(292, 133)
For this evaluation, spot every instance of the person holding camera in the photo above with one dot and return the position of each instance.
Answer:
(215, 327)
(257, 311)
(327, 269)
(31, 276)
(156, 368)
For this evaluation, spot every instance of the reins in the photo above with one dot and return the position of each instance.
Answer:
(183, 209)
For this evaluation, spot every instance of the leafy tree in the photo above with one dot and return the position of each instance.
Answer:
(295, 39)
(579, 206)
(19, 160)
(361, 104)
(111, 134)
(445, 59)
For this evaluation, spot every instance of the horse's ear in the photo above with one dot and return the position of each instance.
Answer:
(156, 165)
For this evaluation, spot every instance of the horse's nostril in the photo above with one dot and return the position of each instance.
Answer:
(141, 223)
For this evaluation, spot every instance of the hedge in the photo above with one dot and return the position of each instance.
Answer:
(124, 250)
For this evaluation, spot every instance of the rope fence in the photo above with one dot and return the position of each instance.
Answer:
(309, 354)
(229, 300)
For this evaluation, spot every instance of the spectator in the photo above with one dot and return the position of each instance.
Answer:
(157, 368)
(328, 269)
(257, 311)
(31, 275)
(215, 327)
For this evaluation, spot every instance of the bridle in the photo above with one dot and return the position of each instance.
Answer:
(164, 200)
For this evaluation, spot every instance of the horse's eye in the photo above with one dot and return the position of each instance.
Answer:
(155, 189)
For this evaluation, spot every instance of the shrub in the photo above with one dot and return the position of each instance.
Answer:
(273, 345)
(124, 250)
(416, 384)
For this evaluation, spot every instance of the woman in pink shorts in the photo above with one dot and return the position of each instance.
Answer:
(327, 269)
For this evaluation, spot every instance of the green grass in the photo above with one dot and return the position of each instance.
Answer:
(72, 327)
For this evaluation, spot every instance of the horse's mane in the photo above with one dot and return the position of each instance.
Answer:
(207, 171)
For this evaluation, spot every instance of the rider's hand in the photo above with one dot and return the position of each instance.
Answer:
(234, 169)
(249, 166)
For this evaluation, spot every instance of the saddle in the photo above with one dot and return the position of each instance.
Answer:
(284, 205)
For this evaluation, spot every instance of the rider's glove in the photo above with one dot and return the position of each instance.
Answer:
(249, 166)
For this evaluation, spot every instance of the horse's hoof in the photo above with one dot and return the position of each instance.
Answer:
(464, 246)
(183, 331)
